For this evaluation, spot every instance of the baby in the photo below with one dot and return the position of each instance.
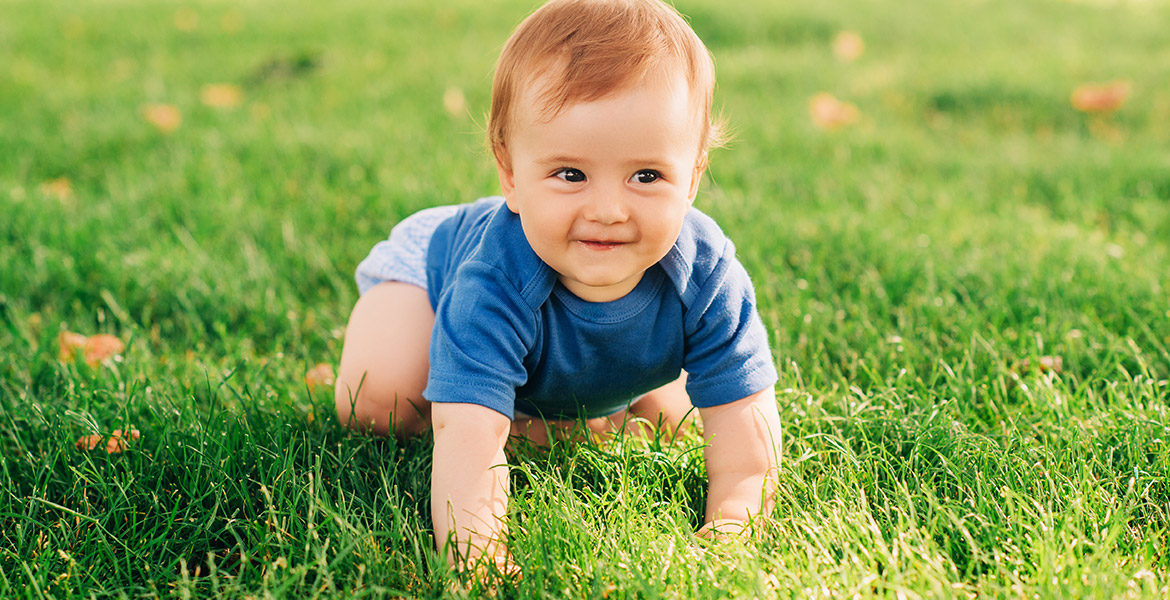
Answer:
(591, 289)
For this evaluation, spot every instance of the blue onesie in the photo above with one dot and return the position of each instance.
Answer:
(510, 337)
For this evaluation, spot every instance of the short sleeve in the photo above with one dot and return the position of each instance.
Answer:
(727, 356)
(483, 332)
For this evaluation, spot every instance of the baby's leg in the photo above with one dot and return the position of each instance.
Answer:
(664, 409)
(384, 361)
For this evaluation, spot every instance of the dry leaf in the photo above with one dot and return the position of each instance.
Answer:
(830, 113)
(320, 376)
(221, 95)
(69, 343)
(94, 349)
(1051, 364)
(60, 188)
(88, 442)
(165, 117)
(115, 444)
(1101, 97)
(1044, 364)
(118, 440)
(102, 346)
(848, 46)
(454, 102)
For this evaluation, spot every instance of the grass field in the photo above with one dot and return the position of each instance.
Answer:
(966, 290)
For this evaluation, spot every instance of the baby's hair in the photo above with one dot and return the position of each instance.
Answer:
(592, 48)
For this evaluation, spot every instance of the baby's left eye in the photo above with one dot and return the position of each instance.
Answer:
(646, 176)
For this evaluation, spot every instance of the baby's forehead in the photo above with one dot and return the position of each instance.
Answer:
(548, 89)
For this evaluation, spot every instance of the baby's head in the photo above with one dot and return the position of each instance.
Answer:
(586, 50)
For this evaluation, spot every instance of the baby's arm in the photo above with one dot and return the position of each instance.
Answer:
(469, 481)
(743, 451)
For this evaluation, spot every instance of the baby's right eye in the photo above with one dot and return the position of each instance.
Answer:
(570, 175)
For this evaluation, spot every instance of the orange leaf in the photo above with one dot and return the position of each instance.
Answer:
(320, 376)
(848, 46)
(1051, 364)
(830, 113)
(118, 440)
(165, 117)
(69, 343)
(221, 95)
(1101, 97)
(115, 444)
(88, 442)
(60, 188)
(102, 346)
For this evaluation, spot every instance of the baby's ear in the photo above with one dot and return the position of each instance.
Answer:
(507, 176)
(697, 175)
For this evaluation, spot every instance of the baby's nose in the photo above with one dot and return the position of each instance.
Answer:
(607, 209)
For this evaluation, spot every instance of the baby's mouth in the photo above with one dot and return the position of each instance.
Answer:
(601, 244)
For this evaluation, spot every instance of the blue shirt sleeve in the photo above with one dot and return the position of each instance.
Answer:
(483, 331)
(727, 356)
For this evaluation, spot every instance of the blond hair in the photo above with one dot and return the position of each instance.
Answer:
(599, 47)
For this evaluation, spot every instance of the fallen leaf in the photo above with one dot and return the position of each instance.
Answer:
(135, 435)
(1044, 364)
(165, 117)
(115, 445)
(848, 46)
(1101, 97)
(94, 349)
(320, 375)
(60, 188)
(1051, 364)
(101, 347)
(69, 343)
(455, 102)
(119, 439)
(88, 442)
(221, 95)
(830, 113)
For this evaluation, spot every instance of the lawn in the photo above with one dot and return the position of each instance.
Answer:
(964, 279)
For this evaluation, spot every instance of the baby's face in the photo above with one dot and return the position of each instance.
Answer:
(602, 187)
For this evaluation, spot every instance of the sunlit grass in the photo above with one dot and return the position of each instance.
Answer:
(965, 288)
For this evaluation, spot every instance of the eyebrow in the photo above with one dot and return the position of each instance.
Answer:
(566, 159)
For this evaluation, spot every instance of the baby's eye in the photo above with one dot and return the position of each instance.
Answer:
(570, 175)
(646, 176)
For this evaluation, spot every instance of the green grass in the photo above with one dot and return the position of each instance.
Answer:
(912, 269)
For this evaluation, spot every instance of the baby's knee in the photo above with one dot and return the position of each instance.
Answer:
(345, 399)
(369, 404)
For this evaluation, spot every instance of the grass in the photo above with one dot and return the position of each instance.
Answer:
(915, 271)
